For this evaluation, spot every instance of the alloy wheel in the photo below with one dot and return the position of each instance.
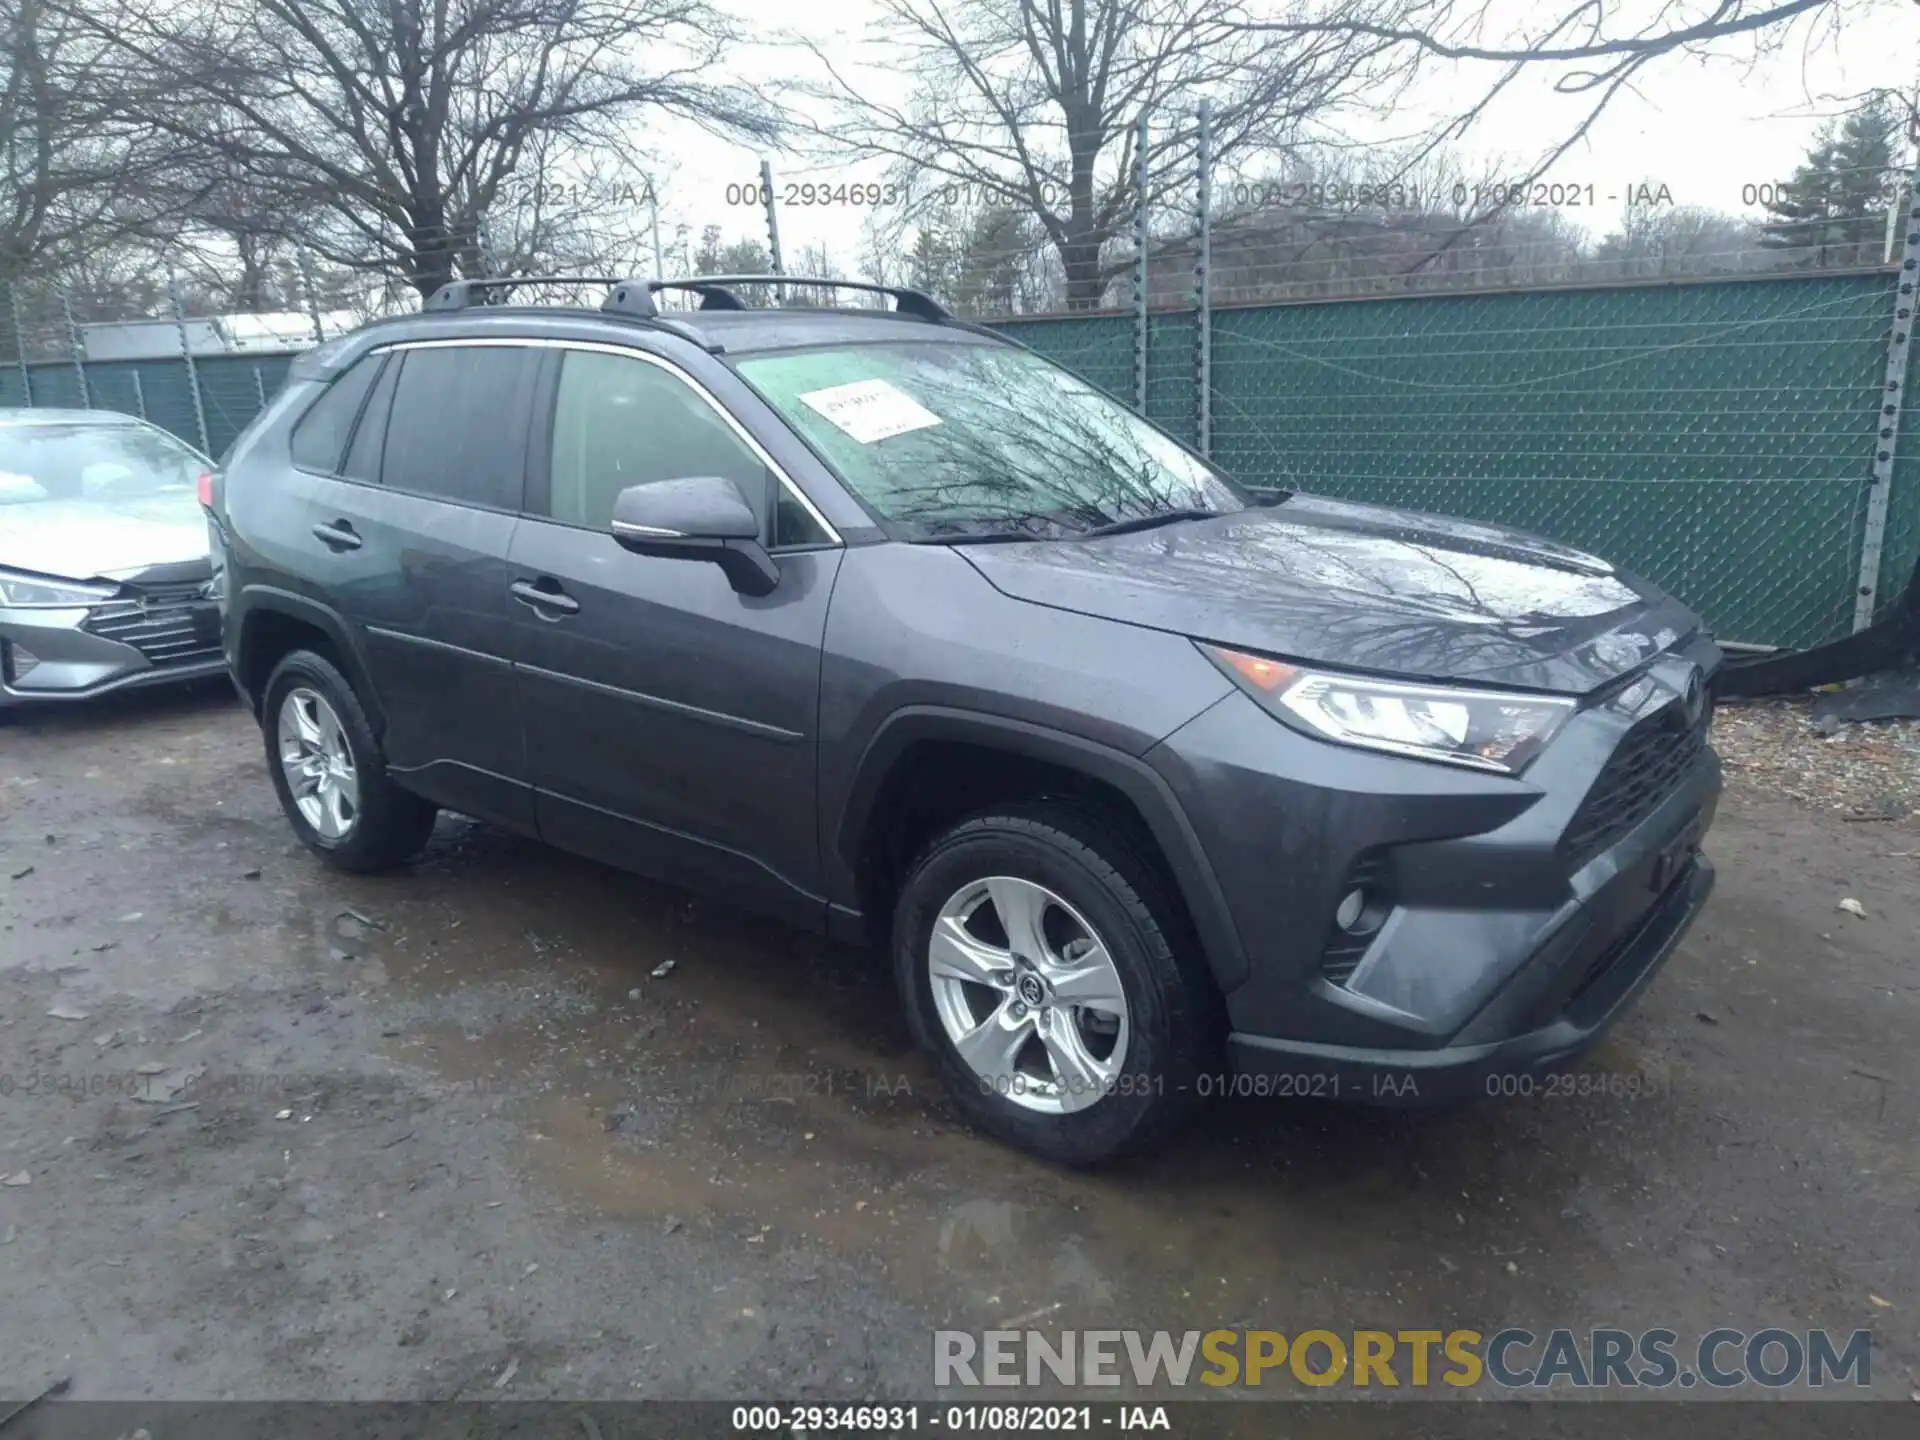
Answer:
(1028, 994)
(318, 764)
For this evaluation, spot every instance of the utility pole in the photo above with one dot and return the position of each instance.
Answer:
(773, 229)
(1203, 289)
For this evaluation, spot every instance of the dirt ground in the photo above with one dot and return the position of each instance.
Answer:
(515, 1125)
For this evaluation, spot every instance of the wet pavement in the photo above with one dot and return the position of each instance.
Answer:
(513, 1114)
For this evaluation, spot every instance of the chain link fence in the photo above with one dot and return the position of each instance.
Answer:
(1716, 437)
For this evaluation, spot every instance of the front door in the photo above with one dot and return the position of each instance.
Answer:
(671, 723)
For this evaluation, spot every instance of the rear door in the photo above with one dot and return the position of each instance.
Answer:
(671, 722)
(415, 530)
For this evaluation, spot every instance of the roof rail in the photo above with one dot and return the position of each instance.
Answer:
(634, 296)
(714, 294)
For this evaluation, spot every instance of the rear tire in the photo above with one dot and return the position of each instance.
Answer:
(330, 774)
(1092, 1081)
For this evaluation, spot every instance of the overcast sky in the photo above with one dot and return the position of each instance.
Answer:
(1705, 128)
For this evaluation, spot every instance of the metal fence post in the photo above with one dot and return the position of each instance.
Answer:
(78, 349)
(1140, 266)
(773, 229)
(313, 300)
(20, 345)
(1203, 289)
(1892, 402)
(186, 355)
(139, 396)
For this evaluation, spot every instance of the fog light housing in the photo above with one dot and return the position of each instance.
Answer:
(1365, 902)
(19, 660)
(1353, 906)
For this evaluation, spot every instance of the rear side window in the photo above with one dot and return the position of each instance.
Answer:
(319, 438)
(457, 428)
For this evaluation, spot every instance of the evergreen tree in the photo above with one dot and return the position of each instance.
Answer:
(1834, 208)
(932, 262)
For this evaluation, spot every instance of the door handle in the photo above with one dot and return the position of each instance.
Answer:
(543, 599)
(337, 536)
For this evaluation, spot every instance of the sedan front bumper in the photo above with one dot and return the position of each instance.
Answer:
(66, 654)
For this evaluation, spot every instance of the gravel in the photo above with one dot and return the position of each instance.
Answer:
(1864, 772)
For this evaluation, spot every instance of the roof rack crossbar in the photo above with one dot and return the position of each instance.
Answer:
(714, 294)
(459, 294)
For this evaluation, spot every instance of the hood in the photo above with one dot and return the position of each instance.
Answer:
(79, 539)
(1363, 588)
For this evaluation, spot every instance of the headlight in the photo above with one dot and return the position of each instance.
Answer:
(34, 591)
(1486, 729)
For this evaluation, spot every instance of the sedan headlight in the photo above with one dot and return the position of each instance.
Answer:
(42, 592)
(1484, 729)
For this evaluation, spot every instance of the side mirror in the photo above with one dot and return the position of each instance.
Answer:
(703, 517)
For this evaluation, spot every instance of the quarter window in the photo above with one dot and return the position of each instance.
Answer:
(320, 435)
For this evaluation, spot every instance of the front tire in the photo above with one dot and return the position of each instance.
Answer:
(330, 774)
(1045, 968)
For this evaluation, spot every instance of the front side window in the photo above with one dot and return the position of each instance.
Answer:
(950, 438)
(88, 470)
(619, 422)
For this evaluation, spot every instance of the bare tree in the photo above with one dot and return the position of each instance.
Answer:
(414, 124)
(1593, 48)
(1598, 49)
(1030, 105)
(1574, 32)
(1658, 242)
(77, 170)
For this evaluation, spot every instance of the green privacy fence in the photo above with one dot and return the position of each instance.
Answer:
(232, 390)
(1715, 437)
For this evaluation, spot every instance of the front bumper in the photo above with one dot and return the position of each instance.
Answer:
(1602, 989)
(1509, 931)
(52, 656)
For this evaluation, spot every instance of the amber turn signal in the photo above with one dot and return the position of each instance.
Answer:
(1256, 670)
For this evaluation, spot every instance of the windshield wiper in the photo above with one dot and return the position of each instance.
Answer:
(979, 537)
(1151, 521)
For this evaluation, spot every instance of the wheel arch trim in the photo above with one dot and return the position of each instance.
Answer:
(1133, 777)
(258, 600)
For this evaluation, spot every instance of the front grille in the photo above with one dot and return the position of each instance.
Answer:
(1345, 949)
(166, 631)
(1655, 756)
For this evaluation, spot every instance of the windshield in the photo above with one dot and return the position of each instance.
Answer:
(122, 468)
(958, 439)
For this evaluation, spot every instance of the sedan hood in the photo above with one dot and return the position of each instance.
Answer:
(1360, 587)
(80, 539)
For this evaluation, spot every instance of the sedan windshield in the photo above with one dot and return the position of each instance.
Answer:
(122, 468)
(970, 439)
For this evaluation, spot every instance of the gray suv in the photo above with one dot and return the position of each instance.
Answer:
(1152, 788)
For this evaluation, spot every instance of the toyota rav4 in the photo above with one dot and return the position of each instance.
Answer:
(1151, 786)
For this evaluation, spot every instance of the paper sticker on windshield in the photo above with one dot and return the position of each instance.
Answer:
(870, 410)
